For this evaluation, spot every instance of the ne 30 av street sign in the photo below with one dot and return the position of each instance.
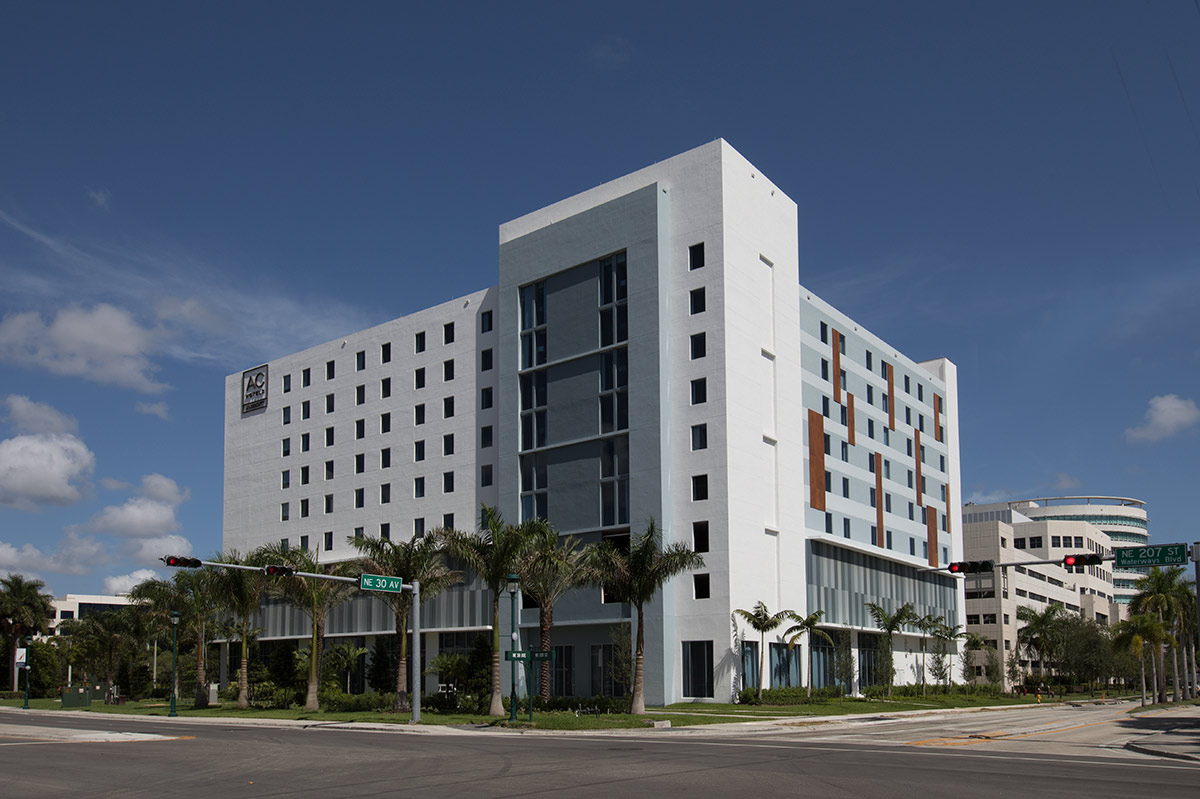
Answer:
(379, 582)
(1142, 557)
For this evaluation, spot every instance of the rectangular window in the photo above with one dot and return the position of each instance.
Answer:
(360, 497)
(385, 352)
(305, 409)
(329, 371)
(385, 388)
(485, 398)
(328, 403)
(448, 482)
(1035, 542)
(485, 475)
(418, 451)
(448, 333)
(921, 392)
(825, 407)
(418, 527)
(329, 541)
(485, 322)
(385, 531)
(285, 478)
(700, 536)
(846, 527)
(287, 383)
(287, 414)
(329, 436)
(304, 509)
(329, 503)
(304, 542)
(699, 487)
(360, 428)
(871, 428)
(824, 333)
(418, 487)
(385, 423)
(360, 360)
(419, 378)
(447, 370)
(698, 668)
(485, 361)
(286, 447)
(846, 487)
(448, 521)
(829, 522)
(360, 394)
(419, 342)
(869, 364)
(701, 586)
(699, 391)
(699, 436)
(304, 439)
(907, 390)
(845, 451)
(360, 463)
(447, 407)
(283, 511)
(696, 256)
(699, 346)
(419, 414)
(485, 436)
(385, 458)
(448, 444)
(385, 493)
(696, 297)
(303, 475)
(359, 532)
(306, 378)
(824, 369)
(328, 470)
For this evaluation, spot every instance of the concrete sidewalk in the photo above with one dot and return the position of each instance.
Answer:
(1174, 732)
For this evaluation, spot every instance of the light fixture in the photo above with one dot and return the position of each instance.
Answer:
(514, 583)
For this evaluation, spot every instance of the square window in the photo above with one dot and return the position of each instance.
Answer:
(419, 414)
(329, 436)
(699, 346)
(696, 256)
(700, 536)
(419, 342)
(385, 352)
(448, 333)
(360, 463)
(485, 322)
(485, 474)
(418, 487)
(418, 451)
(328, 403)
(485, 436)
(385, 388)
(287, 383)
(448, 482)
(699, 391)
(419, 378)
(360, 360)
(328, 470)
(329, 541)
(448, 444)
(699, 436)
(360, 497)
(385, 531)
(360, 395)
(329, 370)
(358, 533)
(699, 487)
(702, 586)
(306, 378)
(447, 370)
(385, 493)
(447, 407)
(485, 398)
(485, 361)
(697, 299)
(385, 422)
(385, 458)
(360, 428)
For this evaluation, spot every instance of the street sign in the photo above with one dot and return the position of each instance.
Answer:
(541, 654)
(21, 661)
(521, 655)
(1141, 557)
(379, 582)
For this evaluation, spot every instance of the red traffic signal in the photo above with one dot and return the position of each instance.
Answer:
(178, 562)
(971, 566)
(1083, 559)
(278, 571)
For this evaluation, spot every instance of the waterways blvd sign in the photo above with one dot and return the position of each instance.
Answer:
(379, 582)
(526, 655)
(1142, 557)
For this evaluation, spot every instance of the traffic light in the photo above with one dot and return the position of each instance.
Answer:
(971, 566)
(278, 571)
(1082, 559)
(178, 562)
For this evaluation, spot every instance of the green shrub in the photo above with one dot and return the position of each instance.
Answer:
(749, 696)
(334, 700)
(794, 695)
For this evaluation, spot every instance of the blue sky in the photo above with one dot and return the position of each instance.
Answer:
(187, 191)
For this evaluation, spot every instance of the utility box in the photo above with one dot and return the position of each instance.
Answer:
(76, 696)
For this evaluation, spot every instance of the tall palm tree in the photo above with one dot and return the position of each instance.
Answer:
(192, 594)
(1186, 633)
(420, 559)
(1135, 634)
(313, 596)
(1042, 634)
(493, 552)
(24, 610)
(239, 592)
(1158, 594)
(806, 625)
(635, 576)
(551, 567)
(762, 621)
(890, 623)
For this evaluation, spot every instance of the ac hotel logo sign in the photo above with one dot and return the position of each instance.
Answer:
(254, 389)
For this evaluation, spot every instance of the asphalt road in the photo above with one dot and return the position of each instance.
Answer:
(1057, 754)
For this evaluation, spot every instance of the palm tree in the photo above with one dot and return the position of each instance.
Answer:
(1134, 634)
(342, 658)
(635, 576)
(314, 597)
(1042, 634)
(890, 624)
(927, 624)
(239, 591)
(1158, 594)
(806, 624)
(193, 594)
(551, 567)
(419, 559)
(974, 643)
(493, 552)
(24, 610)
(762, 621)
(1186, 633)
(945, 634)
(100, 641)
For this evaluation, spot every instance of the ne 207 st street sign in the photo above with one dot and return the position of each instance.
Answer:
(1143, 557)
(379, 582)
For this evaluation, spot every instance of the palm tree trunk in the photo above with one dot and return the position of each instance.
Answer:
(1142, 663)
(201, 682)
(638, 707)
(497, 705)
(1175, 673)
(545, 622)
(762, 654)
(402, 699)
(1154, 672)
(243, 678)
(810, 667)
(311, 700)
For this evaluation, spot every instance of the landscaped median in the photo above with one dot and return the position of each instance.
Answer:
(680, 715)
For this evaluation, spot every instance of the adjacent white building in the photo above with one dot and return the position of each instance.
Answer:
(648, 353)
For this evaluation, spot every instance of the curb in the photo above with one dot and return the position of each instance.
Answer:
(1146, 750)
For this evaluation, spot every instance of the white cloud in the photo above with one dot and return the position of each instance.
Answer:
(164, 489)
(113, 484)
(124, 583)
(27, 416)
(151, 514)
(43, 468)
(1166, 416)
(151, 550)
(101, 197)
(104, 345)
(989, 497)
(1065, 482)
(158, 409)
(74, 554)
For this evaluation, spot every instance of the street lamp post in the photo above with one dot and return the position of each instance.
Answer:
(174, 659)
(514, 585)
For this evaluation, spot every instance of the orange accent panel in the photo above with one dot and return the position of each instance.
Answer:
(816, 460)
(917, 460)
(850, 414)
(837, 365)
(880, 538)
(891, 398)
(937, 414)
(931, 532)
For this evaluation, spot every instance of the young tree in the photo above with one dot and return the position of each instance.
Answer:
(1012, 670)
(24, 610)
(239, 592)
(974, 643)
(890, 624)
(1042, 635)
(341, 659)
(493, 552)
(420, 559)
(635, 576)
(191, 593)
(806, 625)
(763, 621)
(1137, 634)
(927, 624)
(550, 567)
(843, 660)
